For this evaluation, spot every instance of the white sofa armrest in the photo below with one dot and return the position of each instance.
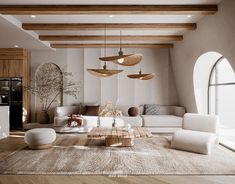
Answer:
(203, 123)
(67, 110)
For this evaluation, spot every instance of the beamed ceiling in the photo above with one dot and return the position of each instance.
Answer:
(66, 24)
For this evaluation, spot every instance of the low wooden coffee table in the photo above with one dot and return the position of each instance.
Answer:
(119, 136)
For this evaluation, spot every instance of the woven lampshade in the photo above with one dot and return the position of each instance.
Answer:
(125, 60)
(103, 72)
(147, 77)
(141, 76)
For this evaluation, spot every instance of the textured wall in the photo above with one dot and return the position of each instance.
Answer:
(214, 33)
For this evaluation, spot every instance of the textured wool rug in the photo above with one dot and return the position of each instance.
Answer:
(74, 154)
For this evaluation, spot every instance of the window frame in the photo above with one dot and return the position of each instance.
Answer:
(213, 69)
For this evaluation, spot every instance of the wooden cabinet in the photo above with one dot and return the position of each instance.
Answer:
(16, 63)
(12, 62)
(15, 68)
(4, 68)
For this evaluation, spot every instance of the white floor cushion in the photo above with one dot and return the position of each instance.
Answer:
(40, 138)
(193, 141)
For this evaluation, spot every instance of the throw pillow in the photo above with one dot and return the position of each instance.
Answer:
(141, 109)
(133, 111)
(75, 120)
(151, 109)
(91, 110)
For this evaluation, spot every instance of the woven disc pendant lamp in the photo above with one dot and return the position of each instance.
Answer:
(121, 59)
(141, 76)
(104, 72)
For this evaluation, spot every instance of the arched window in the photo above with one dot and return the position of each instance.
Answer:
(221, 97)
(201, 75)
(222, 92)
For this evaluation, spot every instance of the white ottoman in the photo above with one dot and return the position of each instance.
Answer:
(40, 138)
(193, 141)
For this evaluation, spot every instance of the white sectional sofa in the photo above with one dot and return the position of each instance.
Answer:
(168, 120)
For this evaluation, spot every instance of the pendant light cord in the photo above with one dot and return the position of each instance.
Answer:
(120, 40)
(105, 43)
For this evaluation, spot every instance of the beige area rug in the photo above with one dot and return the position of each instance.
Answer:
(74, 154)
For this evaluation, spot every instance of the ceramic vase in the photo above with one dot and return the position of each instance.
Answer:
(44, 118)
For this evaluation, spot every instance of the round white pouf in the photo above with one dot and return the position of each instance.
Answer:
(40, 138)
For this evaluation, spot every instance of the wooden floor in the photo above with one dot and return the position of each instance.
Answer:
(16, 141)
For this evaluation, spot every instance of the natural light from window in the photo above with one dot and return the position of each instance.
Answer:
(222, 99)
(214, 88)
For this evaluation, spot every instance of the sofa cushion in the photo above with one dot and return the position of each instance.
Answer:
(133, 111)
(83, 106)
(133, 121)
(162, 120)
(151, 109)
(124, 109)
(91, 110)
(171, 110)
(194, 141)
(91, 121)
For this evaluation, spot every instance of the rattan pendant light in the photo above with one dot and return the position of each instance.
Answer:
(141, 76)
(121, 59)
(103, 72)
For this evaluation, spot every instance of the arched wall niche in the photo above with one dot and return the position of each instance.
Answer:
(48, 70)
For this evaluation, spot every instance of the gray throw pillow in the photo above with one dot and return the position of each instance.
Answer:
(151, 109)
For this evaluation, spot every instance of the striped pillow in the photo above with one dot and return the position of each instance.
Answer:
(151, 109)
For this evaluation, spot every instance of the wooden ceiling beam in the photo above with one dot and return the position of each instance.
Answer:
(101, 26)
(107, 9)
(111, 45)
(111, 38)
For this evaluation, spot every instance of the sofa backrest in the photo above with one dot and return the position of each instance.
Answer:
(67, 110)
(172, 110)
(164, 110)
(78, 109)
